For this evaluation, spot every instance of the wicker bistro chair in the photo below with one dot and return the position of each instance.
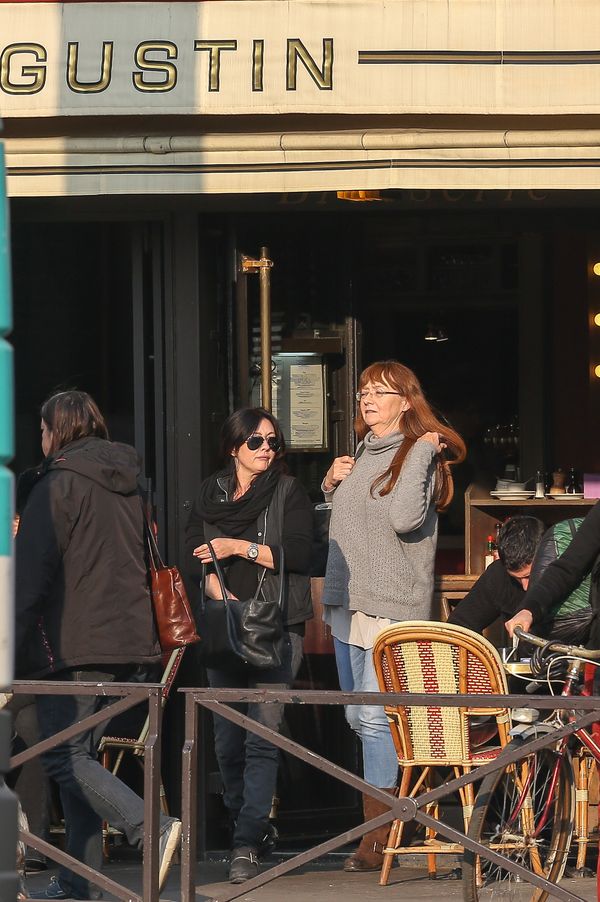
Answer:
(431, 657)
(112, 749)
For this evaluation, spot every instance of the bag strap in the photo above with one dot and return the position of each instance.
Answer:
(154, 558)
(221, 578)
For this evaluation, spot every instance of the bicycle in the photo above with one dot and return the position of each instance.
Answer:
(525, 810)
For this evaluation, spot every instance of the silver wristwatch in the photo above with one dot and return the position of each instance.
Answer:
(252, 552)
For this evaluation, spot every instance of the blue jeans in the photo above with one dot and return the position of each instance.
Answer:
(356, 673)
(89, 793)
(247, 763)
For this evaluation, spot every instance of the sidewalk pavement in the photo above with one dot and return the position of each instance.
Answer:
(323, 880)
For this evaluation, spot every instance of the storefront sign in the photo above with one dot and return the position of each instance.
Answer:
(302, 56)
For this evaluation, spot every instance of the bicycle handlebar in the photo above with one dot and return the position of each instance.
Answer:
(572, 650)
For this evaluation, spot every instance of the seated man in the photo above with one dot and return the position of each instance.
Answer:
(500, 590)
(575, 568)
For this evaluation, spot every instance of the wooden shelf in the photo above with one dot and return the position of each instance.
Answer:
(536, 502)
(482, 512)
(454, 582)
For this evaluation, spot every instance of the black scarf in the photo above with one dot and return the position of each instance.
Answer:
(233, 518)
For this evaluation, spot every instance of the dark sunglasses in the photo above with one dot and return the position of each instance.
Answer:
(254, 442)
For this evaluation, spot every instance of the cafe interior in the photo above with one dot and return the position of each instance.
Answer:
(491, 297)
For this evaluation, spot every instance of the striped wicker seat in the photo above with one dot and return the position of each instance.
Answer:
(431, 657)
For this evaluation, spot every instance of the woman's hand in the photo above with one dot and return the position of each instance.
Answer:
(229, 547)
(436, 440)
(222, 548)
(339, 469)
(523, 619)
(213, 588)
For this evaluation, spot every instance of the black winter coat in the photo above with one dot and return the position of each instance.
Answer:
(82, 594)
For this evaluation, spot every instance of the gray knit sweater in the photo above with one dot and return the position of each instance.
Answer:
(382, 549)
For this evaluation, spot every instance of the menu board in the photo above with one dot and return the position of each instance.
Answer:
(299, 400)
(307, 405)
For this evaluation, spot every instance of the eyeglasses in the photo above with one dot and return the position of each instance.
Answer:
(375, 392)
(256, 441)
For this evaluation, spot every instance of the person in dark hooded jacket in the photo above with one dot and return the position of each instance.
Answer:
(83, 612)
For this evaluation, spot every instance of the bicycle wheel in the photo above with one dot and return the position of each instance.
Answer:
(525, 813)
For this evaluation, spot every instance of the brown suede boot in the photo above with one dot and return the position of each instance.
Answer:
(369, 855)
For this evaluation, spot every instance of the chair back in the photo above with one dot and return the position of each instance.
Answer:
(438, 658)
(172, 661)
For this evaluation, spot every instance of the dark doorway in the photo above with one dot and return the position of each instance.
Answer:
(72, 323)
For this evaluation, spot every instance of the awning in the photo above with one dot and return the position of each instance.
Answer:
(299, 162)
(272, 57)
(521, 62)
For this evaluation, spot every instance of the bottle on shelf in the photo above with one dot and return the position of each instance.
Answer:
(558, 482)
(573, 486)
(490, 549)
(540, 485)
(497, 529)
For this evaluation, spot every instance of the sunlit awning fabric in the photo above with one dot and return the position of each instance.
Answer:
(372, 161)
(521, 62)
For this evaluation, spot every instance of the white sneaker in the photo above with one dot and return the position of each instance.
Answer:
(169, 843)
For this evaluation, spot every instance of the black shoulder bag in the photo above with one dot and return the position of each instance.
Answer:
(241, 633)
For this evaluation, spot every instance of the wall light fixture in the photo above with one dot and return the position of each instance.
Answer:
(358, 195)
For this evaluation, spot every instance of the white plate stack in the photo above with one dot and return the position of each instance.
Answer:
(566, 496)
(513, 495)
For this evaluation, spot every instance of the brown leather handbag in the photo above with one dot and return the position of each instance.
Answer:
(172, 611)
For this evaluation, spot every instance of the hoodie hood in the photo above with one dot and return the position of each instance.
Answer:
(114, 466)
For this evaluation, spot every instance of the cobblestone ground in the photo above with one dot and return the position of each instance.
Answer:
(320, 882)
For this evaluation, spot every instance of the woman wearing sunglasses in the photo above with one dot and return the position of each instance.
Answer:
(247, 511)
(382, 541)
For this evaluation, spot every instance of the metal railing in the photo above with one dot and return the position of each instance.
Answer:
(404, 808)
(128, 695)
(219, 701)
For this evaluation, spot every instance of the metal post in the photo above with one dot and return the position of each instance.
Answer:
(265, 327)
(6, 450)
(189, 813)
(263, 268)
(8, 818)
(151, 797)
(8, 802)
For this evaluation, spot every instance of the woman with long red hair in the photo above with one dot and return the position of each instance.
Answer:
(382, 541)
